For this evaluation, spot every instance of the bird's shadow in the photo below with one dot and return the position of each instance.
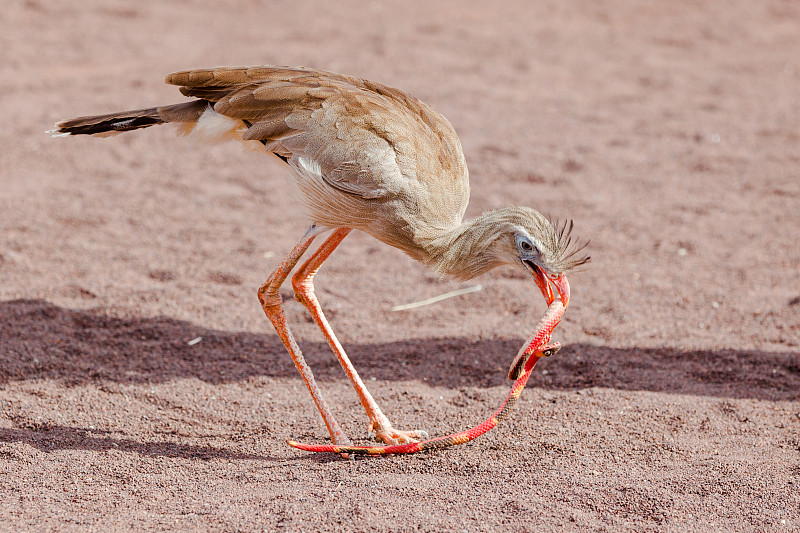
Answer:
(39, 340)
(52, 437)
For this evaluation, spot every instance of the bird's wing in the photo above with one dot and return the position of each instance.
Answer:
(367, 139)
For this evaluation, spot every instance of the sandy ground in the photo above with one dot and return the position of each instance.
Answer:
(668, 131)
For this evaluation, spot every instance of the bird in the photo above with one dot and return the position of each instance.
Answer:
(365, 157)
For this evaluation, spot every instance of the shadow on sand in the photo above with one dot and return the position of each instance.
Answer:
(52, 437)
(40, 340)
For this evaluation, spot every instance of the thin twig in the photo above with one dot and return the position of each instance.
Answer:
(445, 296)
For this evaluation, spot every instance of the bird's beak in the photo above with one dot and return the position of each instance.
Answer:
(546, 282)
(562, 287)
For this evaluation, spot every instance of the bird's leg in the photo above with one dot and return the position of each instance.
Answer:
(302, 281)
(271, 302)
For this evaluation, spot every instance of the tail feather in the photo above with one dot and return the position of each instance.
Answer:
(112, 123)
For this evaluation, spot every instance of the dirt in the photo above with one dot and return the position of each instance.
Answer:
(667, 131)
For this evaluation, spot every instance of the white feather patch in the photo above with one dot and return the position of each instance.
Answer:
(310, 166)
(213, 127)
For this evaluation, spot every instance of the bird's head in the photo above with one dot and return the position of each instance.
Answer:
(545, 249)
(515, 236)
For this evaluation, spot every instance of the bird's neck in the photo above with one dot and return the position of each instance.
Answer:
(464, 251)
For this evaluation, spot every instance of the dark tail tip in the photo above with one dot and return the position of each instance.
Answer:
(112, 123)
(108, 126)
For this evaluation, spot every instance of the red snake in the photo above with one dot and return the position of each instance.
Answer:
(538, 346)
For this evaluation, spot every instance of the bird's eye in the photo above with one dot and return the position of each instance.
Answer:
(525, 245)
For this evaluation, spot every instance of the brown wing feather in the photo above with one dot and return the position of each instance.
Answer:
(368, 139)
(231, 76)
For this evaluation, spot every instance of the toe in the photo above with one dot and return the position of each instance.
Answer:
(393, 436)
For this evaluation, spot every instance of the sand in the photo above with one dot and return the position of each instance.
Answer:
(667, 131)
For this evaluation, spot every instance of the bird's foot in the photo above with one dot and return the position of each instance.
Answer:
(391, 436)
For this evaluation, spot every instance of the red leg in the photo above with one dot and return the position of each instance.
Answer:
(302, 282)
(271, 302)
